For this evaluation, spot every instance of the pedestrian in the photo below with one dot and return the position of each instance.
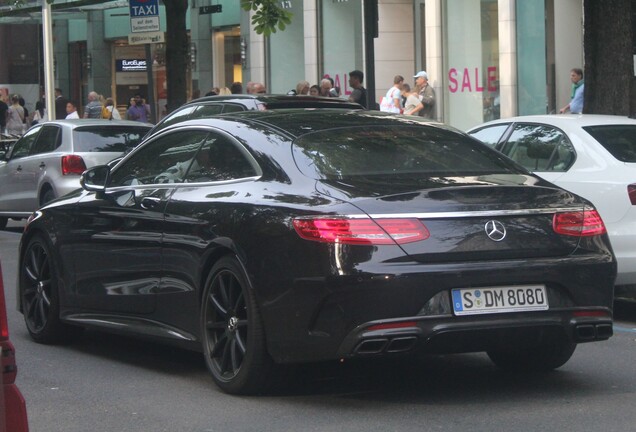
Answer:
(139, 110)
(314, 90)
(26, 121)
(93, 109)
(326, 88)
(413, 105)
(111, 111)
(4, 112)
(576, 95)
(60, 105)
(335, 91)
(71, 110)
(236, 88)
(359, 93)
(15, 117)
(224, 91)
(302, 88)
(258, 88)
(426, 94)
(39, 113)
(392, 101)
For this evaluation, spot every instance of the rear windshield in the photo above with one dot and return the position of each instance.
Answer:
(395, 151)
(107, 139)
(619, 140)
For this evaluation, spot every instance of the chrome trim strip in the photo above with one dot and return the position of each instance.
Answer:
(483, 213)
(444, 215)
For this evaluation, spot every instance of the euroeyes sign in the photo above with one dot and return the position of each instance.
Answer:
(123, 65)
(144, 16)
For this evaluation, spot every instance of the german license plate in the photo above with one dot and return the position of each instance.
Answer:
(486, 300)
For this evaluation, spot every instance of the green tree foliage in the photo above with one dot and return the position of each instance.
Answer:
(268, 15)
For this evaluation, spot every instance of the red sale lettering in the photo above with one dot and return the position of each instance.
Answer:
(452, 78)
(472, 79)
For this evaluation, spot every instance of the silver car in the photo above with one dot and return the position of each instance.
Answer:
(47, 161)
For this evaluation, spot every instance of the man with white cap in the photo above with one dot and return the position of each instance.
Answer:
(426, 95)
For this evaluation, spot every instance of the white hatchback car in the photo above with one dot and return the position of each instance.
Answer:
(47, 161)
(593, 156)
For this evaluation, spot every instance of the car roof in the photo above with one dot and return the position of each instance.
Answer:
(74, 123)
(564, 120)
(273, 99)
(300, 121)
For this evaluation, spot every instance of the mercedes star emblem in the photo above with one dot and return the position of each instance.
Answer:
(495, 230)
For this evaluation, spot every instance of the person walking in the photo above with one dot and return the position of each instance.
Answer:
(392, 101)
(413, 104)
(576, 96)
(93, 109)
(60, 105)
(15, 117)
(112, 113)
(139, 110)
(4, 112)
(39, 113)
(359, 93)
(426, 94)
(71, 110)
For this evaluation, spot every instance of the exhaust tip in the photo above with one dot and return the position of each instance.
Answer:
(604, 331)
(371, 346)
(401, 344)
(585, 332)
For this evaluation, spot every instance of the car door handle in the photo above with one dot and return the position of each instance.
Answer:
(42, 165)
(150, 203)
(19, 168)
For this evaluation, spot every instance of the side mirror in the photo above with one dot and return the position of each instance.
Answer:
(95, 178)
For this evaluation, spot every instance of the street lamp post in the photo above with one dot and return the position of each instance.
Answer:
(47, 33)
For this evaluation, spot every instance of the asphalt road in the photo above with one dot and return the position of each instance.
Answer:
(108, 383)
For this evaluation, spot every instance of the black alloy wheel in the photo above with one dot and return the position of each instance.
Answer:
(232, 333)
(40, 298)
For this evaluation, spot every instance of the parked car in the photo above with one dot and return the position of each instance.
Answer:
(47, 161)
(215, 105)
(593, 156)
(13, 413)
(286, 236)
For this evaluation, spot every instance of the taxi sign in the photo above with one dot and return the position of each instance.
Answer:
(144, 16)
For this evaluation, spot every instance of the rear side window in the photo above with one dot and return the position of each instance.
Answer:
(539, 148)
(207, 111)
(107, 139)
(619, 140)
(392, 151)
(48, 140)
(490, 135)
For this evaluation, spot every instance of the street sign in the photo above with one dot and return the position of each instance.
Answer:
(144, 16)
(146, 38)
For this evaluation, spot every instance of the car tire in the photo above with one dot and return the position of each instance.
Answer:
(40, 296)
(47, 196)
(232, 332)
(543, 358)
(3, 222)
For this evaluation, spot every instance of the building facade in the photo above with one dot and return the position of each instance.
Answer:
(485, 58)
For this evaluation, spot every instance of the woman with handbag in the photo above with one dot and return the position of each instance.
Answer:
(392, 101)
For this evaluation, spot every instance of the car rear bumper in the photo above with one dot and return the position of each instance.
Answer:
(449, 335)
(332, 317)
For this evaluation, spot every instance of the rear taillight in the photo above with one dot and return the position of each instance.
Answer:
(361, 231)
(73, 164)
(579, 223)
(631, 191)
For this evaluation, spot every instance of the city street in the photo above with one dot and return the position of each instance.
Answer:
(109, 383)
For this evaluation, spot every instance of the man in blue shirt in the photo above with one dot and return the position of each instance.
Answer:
(578, 87)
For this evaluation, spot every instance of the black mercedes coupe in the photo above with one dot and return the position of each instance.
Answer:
(279, 237)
